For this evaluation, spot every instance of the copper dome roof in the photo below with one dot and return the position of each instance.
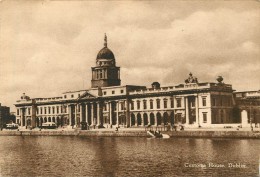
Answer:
(105, 53)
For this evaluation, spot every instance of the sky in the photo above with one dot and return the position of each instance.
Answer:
(49, 47)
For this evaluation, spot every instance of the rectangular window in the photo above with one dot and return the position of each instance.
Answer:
(29, 111)
(37, 110)
(105, 107)
(105, 93)
(122, 91)
(138, 105)
(165, 103)
(113, 92)
(204, 101)
(53, 110)
(49, 110)
(72, 96)
(151, 104)
(132, 105)
(158, 103)
(145, 105)
(41, 110)
(65, 96)
(178, 102)
(204, 117)
(58, 110)
(172, 103)
(18, 112)
(45, 110)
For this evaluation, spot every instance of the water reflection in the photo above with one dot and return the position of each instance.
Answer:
(131, 156)
(106, 157)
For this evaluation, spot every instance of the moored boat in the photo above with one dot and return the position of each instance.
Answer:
(157, 134)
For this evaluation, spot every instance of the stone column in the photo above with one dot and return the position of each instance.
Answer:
(22, 115)
(25, 117)
(92, 114)
(148, 118)
(80, 114)
(197, 110)
(127, 114)
(70, 115)
(87, 113)
(117, 110)
(110, 113)
(155, 119)
(187, 110)
(75, 114)
(98, 113)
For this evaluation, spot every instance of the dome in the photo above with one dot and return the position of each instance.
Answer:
(105, 53)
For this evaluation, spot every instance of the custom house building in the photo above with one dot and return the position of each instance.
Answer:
(109, 104)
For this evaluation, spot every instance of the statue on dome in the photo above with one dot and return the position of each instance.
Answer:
(191, 79)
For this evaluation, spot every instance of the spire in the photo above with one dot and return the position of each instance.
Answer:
(105, 40)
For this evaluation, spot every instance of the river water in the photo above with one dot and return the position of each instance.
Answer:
(127, 156)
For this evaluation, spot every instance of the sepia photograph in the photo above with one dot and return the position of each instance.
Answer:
(132, 88)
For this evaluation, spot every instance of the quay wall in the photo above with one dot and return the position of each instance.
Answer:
(216, 134)
(140, 133)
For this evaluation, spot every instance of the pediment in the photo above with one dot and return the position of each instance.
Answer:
(86, 95)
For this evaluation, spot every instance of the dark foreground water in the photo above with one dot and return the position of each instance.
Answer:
(131, 156)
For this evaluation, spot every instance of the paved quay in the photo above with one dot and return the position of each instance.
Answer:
(139, 132)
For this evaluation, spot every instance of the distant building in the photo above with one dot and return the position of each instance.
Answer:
(248, 103)
(108, 104)
(4, 115)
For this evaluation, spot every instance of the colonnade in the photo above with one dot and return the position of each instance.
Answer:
(100, 113)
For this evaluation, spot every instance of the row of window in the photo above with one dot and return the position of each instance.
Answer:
(158, 104)
(71, 96)
(52, 110)
(112, 92)
(47, 110)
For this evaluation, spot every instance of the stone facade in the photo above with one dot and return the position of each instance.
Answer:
(107, 103)
(248, 108)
